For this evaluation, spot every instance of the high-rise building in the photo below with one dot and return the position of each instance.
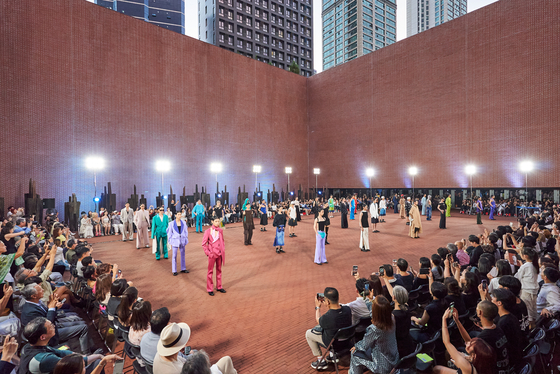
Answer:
(425, 14)
(273, 31)
(169, 14)
(352, 28)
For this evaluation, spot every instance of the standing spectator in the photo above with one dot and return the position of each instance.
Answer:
(364, 228)
(505, 301)
(527, 274)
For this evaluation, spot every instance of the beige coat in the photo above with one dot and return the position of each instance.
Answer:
(416, 222)
(402, 203)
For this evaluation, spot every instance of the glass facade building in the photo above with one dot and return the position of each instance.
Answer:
(425, 14)
(352, 28)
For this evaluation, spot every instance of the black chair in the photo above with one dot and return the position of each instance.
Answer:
(340, 344)
(413, 299)
(531, 353)
(424, 296)
(525, 368)
(429, 348)
(363, 323)
(139, 369)
(407, 362)
(552, 327)
(537, 336)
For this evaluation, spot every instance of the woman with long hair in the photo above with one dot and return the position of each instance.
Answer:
(319, 227)
(128, 298)
(377, 351)
(74, 364)
(480, 358)
(503, 268)
(140, 321)
(103, 288)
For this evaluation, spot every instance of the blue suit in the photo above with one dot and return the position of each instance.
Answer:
(198, 215)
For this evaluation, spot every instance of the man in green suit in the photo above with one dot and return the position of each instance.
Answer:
(448, 206)
(159, 231)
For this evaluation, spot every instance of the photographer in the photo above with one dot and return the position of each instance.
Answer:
(358, 307)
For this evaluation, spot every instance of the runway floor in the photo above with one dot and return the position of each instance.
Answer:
(261, 321)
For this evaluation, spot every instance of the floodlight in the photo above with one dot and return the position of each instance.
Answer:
(219, 195)
(370, 172)
(316, 171)
(165, 197)
(292, 193)
(413, 170)
(96, 199)
(320, 192)
(216, 167)
(259, 194)
(163, 165)
(257, 168)
(526, 166)
(288, 170)
(94, 163)
(470, 169)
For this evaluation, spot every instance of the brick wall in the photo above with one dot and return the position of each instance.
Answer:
(482, 89)
(79, 80)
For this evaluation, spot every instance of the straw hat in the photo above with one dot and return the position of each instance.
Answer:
(173, 338)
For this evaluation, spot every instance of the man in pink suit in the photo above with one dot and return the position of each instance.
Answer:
(213, 245)
(142, 222)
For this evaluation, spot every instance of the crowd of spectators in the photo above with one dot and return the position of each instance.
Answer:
(52, 286)
(478, 298)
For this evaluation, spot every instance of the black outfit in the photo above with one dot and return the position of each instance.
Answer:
(496, 338)
(405, 343)
(475, 255)
(520, 312)
(264, 218)
(321, 225)
(6, 367)
(442, 215)
(298, 214)
(516, 339)
(435, 310)
(365, 221)
(333, 320)
(327, 224)
(344, 215)
(279, 220)
(113, 305)
(458, 301)
(419, 282)
(407, 281)
(248, 226)
(396, 282)
(471, 300)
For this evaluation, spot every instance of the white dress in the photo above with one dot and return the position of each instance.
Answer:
(86, 228)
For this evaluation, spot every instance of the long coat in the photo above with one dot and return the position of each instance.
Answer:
(416, 222)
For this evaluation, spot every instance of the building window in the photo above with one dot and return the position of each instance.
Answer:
(239, 30)
(221, 24)
(222, 37)
(239, 43)
(240, 18)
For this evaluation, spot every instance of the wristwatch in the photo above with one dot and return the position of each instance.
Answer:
(317, 308)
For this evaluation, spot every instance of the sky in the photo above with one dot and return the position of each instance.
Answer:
(191, 23)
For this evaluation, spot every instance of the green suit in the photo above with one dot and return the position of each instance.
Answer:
(159, 231)
(448, 205)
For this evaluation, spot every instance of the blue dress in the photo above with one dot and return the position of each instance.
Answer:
(352, 208)
(377, 351)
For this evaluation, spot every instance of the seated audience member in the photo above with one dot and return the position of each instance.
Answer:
(71, 246)
(454, 295)
(462, 256)
(75, 364)
(90, 275)
(86, 227)
(403, 275)
(148, 345)
(388, 277)
(505, 300)
(480, 358)
(336, 317)
(437, 269)
(432, 314)
(9, 322)
(102, 290)
(174, 338)
(116, 222)
(199, 363)
(124, 312)
(71, 326)
(39, 357)
(519, 310)
(401, 316)
(81, 253)
(491, 334)
(502, 268)
(469, 282)
(422, 276)
(9, 349)
(485, 264)
(375, 285)
(548, 299)
(117, 289)
(474, 250)
(377, 351)
(358, 307)
(139, 321)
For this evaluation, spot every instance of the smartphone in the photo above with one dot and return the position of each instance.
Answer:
(2, 338)
(451, 306)
(320, 296)
(354, 270)
(394, 262)
(63, 301)
(120, 271)
(366, 290)
(381, 271)
(484, 284)
(424, 270)
(411, 269)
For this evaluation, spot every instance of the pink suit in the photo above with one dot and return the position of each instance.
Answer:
(214, 248)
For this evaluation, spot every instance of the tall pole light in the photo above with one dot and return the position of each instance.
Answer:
(95, 164)
(216, 168)
(257, 169)
(470, 170)
(288, 171)
(316, 171)
(526, 167)
(370, 173)
(162, 166)
(413, 170)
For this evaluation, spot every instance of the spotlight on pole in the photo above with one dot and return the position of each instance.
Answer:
(163, 166)
(526, 166)
(316, 171)
(413, 170)
(96, 199)
(370, 172)
(257, 168)
(470, 169)
(288, 170)
(216, 167)
(95, 163)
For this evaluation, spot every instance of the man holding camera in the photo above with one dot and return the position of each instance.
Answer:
(335, 318)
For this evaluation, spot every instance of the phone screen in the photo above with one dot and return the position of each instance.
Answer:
(354, 269)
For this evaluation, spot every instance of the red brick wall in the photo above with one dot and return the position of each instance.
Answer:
(78, 80)
(482, 89)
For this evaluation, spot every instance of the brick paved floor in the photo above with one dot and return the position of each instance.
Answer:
(261, 321)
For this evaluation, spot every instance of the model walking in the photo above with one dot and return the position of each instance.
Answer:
(448, 206)
(429, 208)
(374, 211)
(292, 212)
(331, 207)
(423, 202)
(319, 227)
(159, 232)
(327, 222)
(142, 222)
(248, 223)
(402, 203)
(352, 207)
(479, 210)
(343, 214)
(198, 215)
(280, 223)
(178, 237)
(263, 209)
(441, 208)
(492, 207)
(214, 247)
(364, 228)
(382, 209)
(415, 221)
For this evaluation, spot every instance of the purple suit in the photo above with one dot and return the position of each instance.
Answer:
(177, 239)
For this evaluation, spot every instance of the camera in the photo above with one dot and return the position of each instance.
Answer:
(381, 271)
(320, 297)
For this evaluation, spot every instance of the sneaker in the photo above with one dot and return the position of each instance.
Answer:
(319, 365)
(330, 358)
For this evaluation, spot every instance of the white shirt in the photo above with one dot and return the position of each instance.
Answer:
(383, 204)
(528, 277)
(373, 210)
(292, 212)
